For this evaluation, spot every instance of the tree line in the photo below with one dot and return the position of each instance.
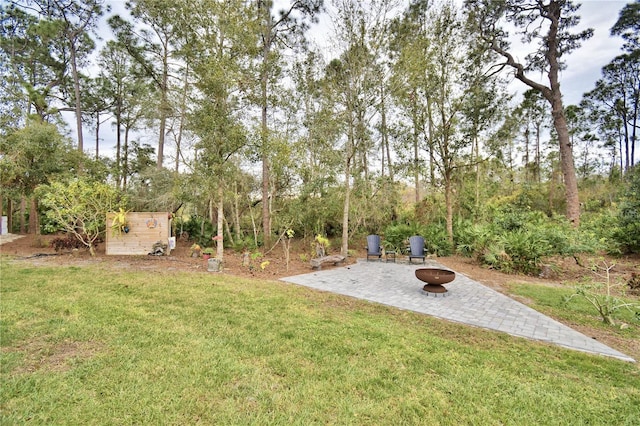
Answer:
(251, 130)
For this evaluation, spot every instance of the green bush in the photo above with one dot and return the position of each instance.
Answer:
(473, 239)
(597, 231)
(628, 232)
(397, 235)
(309, 216)
(244, 243)
(436, 239)
(525, 249)
(517, 241)
(199, 229)
(79, 208)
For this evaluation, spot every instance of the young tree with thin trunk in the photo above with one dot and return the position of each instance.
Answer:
(125, 87)
(618, 93)
(412, 90)
(219, 50)
(95, 107)
(547, 22)
(532, 114)
(276, 33)
(352, 79)
(156, 47)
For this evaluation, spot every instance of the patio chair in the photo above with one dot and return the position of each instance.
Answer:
(416, 246)
(374, 249)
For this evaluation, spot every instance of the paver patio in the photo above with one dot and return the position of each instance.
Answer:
(467, 301)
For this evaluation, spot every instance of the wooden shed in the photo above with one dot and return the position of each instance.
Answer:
(144, 230)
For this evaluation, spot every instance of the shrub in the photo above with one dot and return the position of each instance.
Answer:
(628, 232)
(69, 242)
(517, 241)
(436, 239)
(396, 236)
(197, 228)
(244, 243)
(600, 295)
(79, 208)
(525, 249)
(597, 232)
(472, 239)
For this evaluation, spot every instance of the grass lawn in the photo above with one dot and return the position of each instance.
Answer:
(89, 345)
(551, 301)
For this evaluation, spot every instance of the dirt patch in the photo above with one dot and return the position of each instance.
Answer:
(272, 265)
(55, 357)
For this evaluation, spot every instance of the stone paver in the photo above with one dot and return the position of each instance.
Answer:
(467, 302)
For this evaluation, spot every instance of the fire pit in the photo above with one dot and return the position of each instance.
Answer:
(434, 278)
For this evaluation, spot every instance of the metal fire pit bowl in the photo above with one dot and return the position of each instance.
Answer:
(434, 278)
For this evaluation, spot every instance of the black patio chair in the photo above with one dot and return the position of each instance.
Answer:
(374, 249)
(416, 247)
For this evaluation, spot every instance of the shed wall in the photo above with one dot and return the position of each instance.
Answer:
(145, 229)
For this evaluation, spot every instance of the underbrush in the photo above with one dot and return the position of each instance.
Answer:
(520, 240)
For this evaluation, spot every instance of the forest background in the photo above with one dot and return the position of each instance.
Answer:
(410, 126)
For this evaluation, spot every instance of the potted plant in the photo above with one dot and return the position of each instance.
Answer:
(207, 252)
(119, 223)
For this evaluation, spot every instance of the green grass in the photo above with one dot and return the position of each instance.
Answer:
(96, 346)
(550, 301)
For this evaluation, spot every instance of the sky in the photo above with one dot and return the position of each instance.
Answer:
(583, 65)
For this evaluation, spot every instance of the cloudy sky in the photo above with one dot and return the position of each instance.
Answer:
(584, 65)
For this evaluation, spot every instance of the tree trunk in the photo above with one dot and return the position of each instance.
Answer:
(23, 213)
(527, 166)
(266, 214)
(220, 232)
(566, 161)
(432, 160)
(476, 146)
(119, 140)
(164, 105)
(416, 159)
(552, 185)
(34, 227)
(97, 133)
(449, 205)
(236, 213)
(264, 129)
(10, 215)
(554, 96)
(76, 91)
(383, 130)
(183, 114)
(344, 249)
(125, 159)
(538, 177)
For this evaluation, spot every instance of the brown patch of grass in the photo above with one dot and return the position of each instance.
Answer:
(42, 355)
